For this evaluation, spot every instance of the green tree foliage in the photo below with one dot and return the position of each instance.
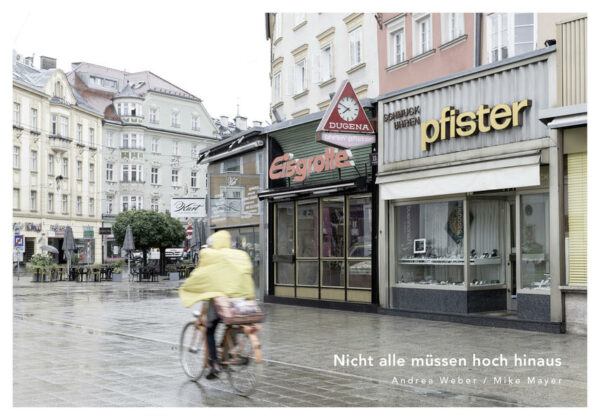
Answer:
(150, 229)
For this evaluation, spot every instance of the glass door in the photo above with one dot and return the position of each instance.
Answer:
(511, 252)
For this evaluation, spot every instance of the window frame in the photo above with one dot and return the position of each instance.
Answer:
(16, 157)
(419, 46)
(300, 76)
(154, 171)
(277, 97)
(33, 161)
(322, 77)
(175, 177)
(355, 37)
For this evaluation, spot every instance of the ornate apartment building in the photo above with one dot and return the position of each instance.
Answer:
(56, 160)
(153, 131)
(312, 53)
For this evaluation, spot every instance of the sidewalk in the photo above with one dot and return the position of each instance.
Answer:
(115, 344)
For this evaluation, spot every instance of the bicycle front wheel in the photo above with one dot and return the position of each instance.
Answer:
(192, 351)
(240, 364)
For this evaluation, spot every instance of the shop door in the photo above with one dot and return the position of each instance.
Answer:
(511, 261)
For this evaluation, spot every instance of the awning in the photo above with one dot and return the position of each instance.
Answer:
(317, 190)
(522, 171)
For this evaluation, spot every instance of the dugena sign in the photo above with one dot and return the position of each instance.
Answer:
(188, 207)
(286, 166)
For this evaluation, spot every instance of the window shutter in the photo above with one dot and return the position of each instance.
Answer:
(577, 203)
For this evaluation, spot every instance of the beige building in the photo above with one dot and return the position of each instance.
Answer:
(56, 161)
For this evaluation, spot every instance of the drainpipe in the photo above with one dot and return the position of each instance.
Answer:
(477, 62)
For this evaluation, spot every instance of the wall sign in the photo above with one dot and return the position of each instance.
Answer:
(345, 123)
(452, 124)
(299, 169)
(188, 207)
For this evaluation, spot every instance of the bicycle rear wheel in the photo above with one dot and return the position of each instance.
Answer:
(192, 351)
(240, 364)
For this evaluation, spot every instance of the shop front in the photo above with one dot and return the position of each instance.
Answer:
(321, 220)
(471, 198)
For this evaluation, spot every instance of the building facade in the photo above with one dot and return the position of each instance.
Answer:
(312, 53)
(153, 133)
(56, 162)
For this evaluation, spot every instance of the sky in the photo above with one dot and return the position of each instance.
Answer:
(220, 56)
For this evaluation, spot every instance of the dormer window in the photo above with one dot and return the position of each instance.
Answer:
(58, 89)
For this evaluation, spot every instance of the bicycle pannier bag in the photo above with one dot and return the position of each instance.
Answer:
(238, 310)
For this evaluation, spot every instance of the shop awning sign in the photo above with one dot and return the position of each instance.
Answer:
(345, 123)
(187, 207)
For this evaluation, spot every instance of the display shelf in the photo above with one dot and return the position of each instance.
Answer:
(449, 261)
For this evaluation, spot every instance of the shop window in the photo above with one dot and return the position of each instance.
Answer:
(429, 244)
(360, 242)
(535, 242)
(332, 217)
(308, 243)
(486, 242)
(285, 271)
(308, 273)
(333, 274)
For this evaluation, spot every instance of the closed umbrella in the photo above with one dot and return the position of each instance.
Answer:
(68, 246)
(50, 249)
(195, 241)
(128, 245)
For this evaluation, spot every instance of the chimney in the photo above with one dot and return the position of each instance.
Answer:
(29, 61)
(256, 123)
(224, 121)
(241, 123)
(47, 63)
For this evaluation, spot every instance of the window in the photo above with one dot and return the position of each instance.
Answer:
(176, 148)
(50, 164)
(175, 119)
(58, 90)
(231, 165)
(50, 202)
(79, 170)
(96, 80)
(277, 87)
(125, 141)
(126, 108)
(154, 204)
(355, 47)
(277, 26)
(34, 119)
(109, 171)
(422, 37)
(133, 143)
(54, 125)
(78, 205)
(153, 115)
(399, 46)
(109, 204)
(154, 176)
(175, 177)
(79, 134)
(131, 202)
(125, 203)
(65, 167)
(285, 244)
(308, 242)
(136, 172)
(91, 207)
(65, 203)
(92, 137)
(509, 34)
(332, 242)
(33, 201)
(452, 26)
(109, 138)
(33, 161)
(300, 76)
(92, 172)
(16, 199)
(194, 123)
(154, 144)
(325, 64)
(16, 114)
(124, 173)
(16, 157)
(194, 179)
(64, 126)
(535, 242)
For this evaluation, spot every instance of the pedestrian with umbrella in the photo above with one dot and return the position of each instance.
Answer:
(69, 247)
(128, 246)
(196, 241)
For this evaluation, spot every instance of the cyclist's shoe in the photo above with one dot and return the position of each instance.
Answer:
(214, 372)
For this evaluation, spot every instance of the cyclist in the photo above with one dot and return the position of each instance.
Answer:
(222, 271)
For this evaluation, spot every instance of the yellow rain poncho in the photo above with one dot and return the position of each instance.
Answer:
(222, 271)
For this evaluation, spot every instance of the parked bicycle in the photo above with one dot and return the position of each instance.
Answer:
(239, 352)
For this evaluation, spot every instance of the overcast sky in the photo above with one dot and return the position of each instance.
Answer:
(218, 55)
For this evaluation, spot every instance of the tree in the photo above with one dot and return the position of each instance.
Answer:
(150, 230)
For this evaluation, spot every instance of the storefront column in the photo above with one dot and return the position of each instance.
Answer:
(384, 246)
(557, 249)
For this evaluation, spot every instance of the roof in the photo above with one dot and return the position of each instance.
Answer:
(127, 92)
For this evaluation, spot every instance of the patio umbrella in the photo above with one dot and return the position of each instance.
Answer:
(128, 245)
(68, 246)
(50, 249)
(195, 241)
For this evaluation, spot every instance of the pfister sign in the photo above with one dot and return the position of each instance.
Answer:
(188, 207)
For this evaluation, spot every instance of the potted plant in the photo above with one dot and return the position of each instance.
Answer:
(173, 273)
(38, 263)
(117, 275)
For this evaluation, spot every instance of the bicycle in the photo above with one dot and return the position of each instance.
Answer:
(239, 353)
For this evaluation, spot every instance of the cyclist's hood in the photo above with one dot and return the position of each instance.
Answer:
(220, 239)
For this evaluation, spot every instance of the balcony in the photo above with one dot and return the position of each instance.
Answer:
(132, 147)
(59, 143)
(132, 119)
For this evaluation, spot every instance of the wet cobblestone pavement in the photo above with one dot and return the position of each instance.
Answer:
(115, 344)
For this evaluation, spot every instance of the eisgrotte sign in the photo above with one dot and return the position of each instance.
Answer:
(286, 166)
(345, 123)
(188, 207)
